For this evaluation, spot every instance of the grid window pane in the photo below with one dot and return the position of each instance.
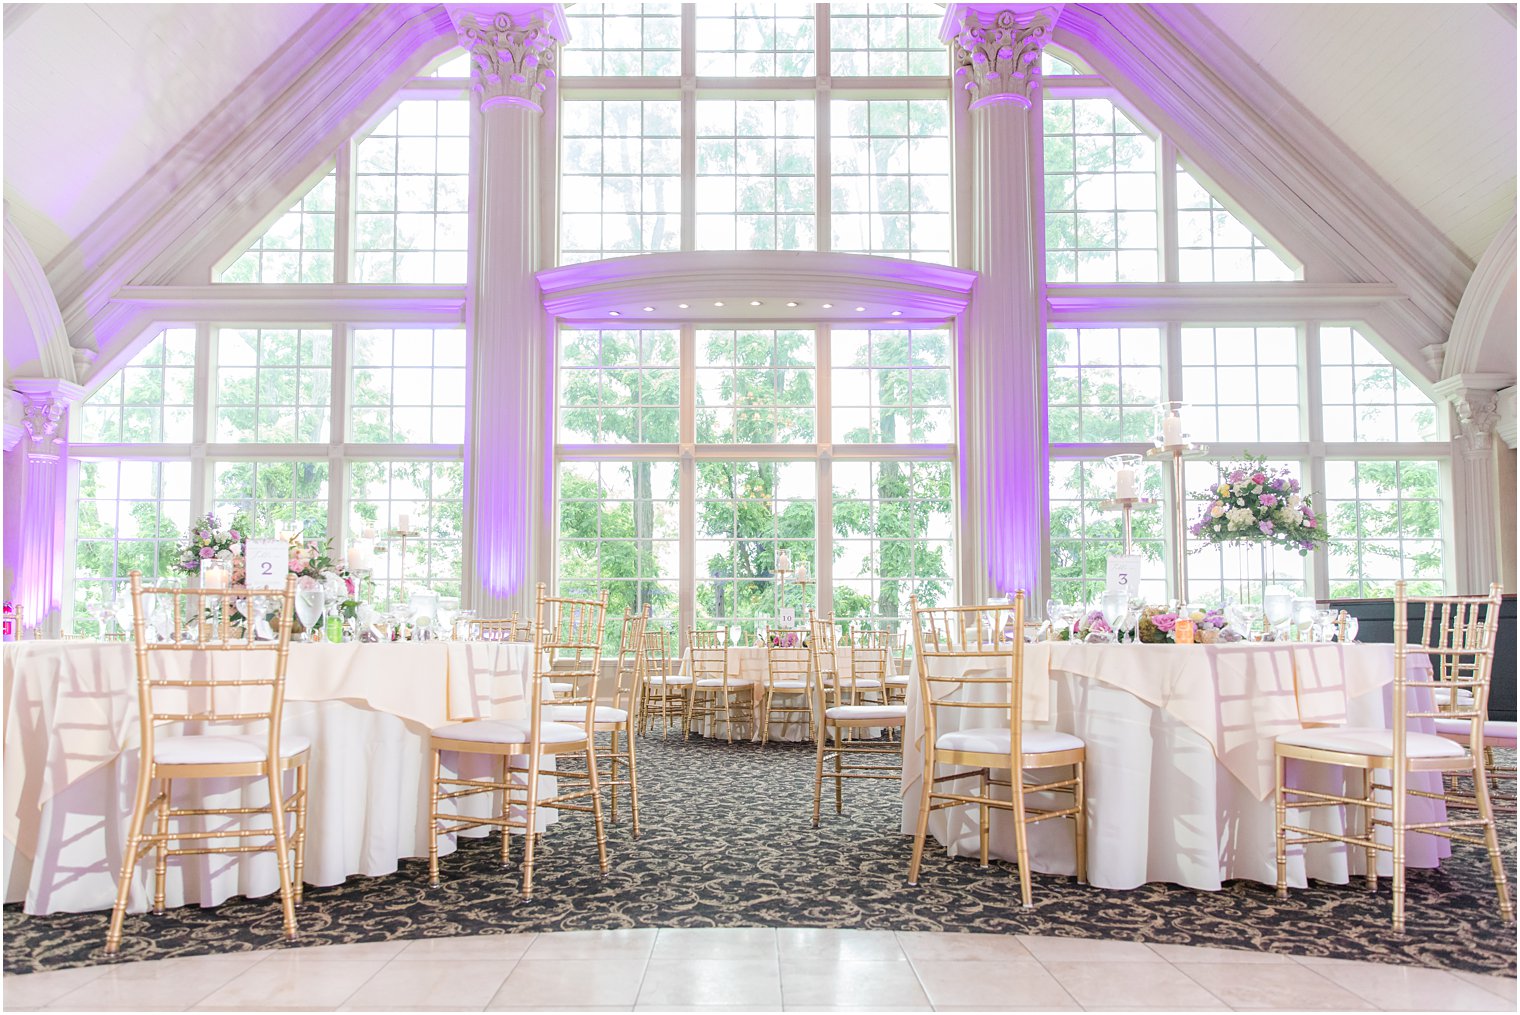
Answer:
(892, 386)
(1100, 194)
(1385, 526)
(276, 497)
(747, 512)
(754, 40)
(620, 178)
(1233, 573)
(273, 385)
(1083, 537)
(411, 194)
(887, 40)
(890, 177)
(128, 516)
(1103, 384)
(1242, 383)
(893, 523)
(619, 530)
(432, 493)
(623, 40)
(755, 386)
(1215, 246)
(755, 174)
(407, 386)
(1367, 398)
(298, 247)
(149, 401)
(619, 386)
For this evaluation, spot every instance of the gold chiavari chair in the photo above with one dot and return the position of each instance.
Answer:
(616, 720)
(948, 642)
(1463, 656)
(512, 628)
(663, 686)
(788, 677)
(567, 645)
(898, 676)
(1453, 624)
(717, 695)
(870, 660)
(202, 625)
(843, 717)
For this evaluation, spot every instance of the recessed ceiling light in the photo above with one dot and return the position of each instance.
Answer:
(717, 303)
(614, 313)
(895, 313)
(684, 306)
(828, 306)
(791, 303)
(648, 310)
(858, 309)
(754, 303)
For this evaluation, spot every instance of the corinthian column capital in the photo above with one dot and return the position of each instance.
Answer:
(1475, 398)
(44, 408)
(997, 49)
(512, 51)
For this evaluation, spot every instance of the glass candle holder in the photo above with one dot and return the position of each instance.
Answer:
(1170, 430)
(1128, 484)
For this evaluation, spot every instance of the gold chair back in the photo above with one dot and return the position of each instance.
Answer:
(787, 656)
(629, 676)
(567, 649)
(944, 634)
(203, 622)
(870, 655)
(709, 656)
(657, 659)
(823, 650)
(1459, 635)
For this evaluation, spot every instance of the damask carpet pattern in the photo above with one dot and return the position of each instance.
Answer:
(727, 842)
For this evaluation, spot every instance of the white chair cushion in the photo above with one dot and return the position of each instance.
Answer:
(577, 713)
(1371, 741)
(710, 682)
(1464, 696)
(901, 680)
(790, 685)
(557, 687)
(673, 681)
(509, 731)
(223, 750)
(996, 741)
(885, 712)
(1493, 729)
(865, 683)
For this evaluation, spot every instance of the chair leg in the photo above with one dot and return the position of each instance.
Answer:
(839, 745)
(281, 848)
(728, 717)
(1491, 839)
(765, 721)
(612, 770)
(1400, 795)
(530, 833)
(633, 784)
(596, 804)
(1080, 802)
(922, 828)
(433, 822)
(1369, 793)
(130, 857)
(161, 850)
(984, 822)
(1280, 808)
(302, 781)
(818, 784)
(1020, 833)
(506, 808)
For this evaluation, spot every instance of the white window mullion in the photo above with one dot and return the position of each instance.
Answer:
(1168, 194)
(823, 195)
(687, 485)
(205, 413)
(337, 468)
(823, 538)
(343, 213)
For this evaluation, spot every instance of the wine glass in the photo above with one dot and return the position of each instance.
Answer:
(1277, 606)
(1248, 614)
(1352, 625)
(1113, 607)
(1303, 619)
(311, 600)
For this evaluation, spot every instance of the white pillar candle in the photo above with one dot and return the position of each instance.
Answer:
(1171, 431)
(404, 521)
(783, 562)
(802, 571)
(1124, 484)
(214, 577)
(355, 558)
(369, 534)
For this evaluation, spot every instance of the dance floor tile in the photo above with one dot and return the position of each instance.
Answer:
(593, 944)
(996, 986)
(409, 982)
(567, 982)
(927, 945)
(702, 943)
(1076, 949)
(1271, 986)
(711, 982)
(1100, 984)
(146, 986)
(857, 984)
(291, 980)
(38, 989)
(811, 943)
(467, 948)
(1403, 988)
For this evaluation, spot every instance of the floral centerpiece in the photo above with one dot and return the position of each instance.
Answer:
(787, 639)
(1157, 625)
(1090, 622)
(1253, 504)
(209, 539)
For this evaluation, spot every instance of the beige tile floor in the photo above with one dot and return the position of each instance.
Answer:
(756, 970)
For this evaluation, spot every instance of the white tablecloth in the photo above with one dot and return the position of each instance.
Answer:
(71, 763)
(1179, 756)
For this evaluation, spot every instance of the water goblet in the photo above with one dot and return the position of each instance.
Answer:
(1114, 606)
(311, 600)
(1277, 606)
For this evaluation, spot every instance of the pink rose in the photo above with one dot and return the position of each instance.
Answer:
(1259, 478)
(1165, 622)
(207, 551)
(296, 565)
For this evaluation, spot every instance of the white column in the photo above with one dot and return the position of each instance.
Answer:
(997, 60)
(1475, 478)
(508, 469)
(35, 507)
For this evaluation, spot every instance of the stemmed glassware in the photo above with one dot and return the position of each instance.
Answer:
(1114, 606)
(311, 600)
(1277, 606)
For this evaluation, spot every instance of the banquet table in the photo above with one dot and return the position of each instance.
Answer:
(71, 737)
(1180, 757)
(750, 665)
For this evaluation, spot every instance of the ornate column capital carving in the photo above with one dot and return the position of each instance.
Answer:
(1475, 397)
(512, 51)
(997, 50)
(44, 405)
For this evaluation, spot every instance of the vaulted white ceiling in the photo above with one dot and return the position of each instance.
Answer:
(1424, 94)
(97, 94)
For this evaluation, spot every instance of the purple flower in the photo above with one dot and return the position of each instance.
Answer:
(233, 535)
(1306, 544)
(1165, 622)
(1237, 476)
(1277, 484)
(1265, 527)
(1268, 500)
(207, 551)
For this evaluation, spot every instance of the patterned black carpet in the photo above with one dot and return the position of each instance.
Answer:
(727, 842)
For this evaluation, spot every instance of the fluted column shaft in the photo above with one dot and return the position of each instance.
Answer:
(40, 503)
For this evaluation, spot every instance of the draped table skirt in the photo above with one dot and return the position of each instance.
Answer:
(71, 765)
(1176, 791)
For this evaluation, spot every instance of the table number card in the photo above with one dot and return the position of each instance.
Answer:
(788, 618)
(268, 562)
(1123, 574)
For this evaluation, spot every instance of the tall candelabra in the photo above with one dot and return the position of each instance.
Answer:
(1173, 442)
